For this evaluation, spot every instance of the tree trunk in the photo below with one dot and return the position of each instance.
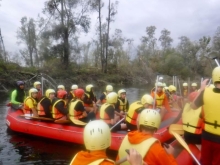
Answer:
(100, 36)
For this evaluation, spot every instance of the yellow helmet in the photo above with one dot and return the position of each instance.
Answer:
(185, 84)
(112, 98)
(159, 84)
(120, 92)
(109, 88)
(32, 90)
(48, 92)
(164, 84)
(74, 86)
(89, 87)
(61, 87)
(172, 88)
(216, 74)
(147, 99)
(194, 85)
(150, 117)
(37, 83)
(97, 135)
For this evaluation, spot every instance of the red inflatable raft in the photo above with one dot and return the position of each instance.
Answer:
(74, 133)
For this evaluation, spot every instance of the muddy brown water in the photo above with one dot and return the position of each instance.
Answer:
(21, 149)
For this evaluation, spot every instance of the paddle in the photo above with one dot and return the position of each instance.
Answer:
(117, 123)
(122, 160)
(183, 143)
(37, 118)
(77, 122)
(178, 128)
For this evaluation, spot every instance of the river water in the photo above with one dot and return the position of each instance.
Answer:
(20, 149)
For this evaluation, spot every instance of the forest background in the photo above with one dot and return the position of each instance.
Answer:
(50, 44)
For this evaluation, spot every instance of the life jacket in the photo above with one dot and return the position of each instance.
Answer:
(39, 94)
(132, 115)
(191, 119)
(73, 96)
(185, 92)
(104, 100)
(142, 147)
(159, 99)
(55, 112)
(103, 115)
(211, 111)
(40, 108)
(72, 112)
(172, 100)
(96, 162)
(20, 95)
(122, 105)
(26, 108)
(89, 98)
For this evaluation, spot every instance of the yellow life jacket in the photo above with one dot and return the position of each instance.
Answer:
(122, 105)
(185, 92)
(55, 112)
(73, 114)
(26, 108)
(142, 147)
(103, 115)
(160, 99)
(96, 162)
(211, 111)
(191, 119)
(40, 108)
(131, 116)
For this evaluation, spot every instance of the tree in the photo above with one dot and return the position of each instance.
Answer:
(69, 17)
(165, 39)
(26, 35)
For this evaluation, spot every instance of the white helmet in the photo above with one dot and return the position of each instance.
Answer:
(37, 83)
(97, 135)
(109, 88)
(32, 90)
(74, 86)
(120, 92)
(61, 87)
(150, 117)
(159, 84)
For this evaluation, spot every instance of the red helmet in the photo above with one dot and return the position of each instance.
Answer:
(61, 94)
(79, 93)
(192, 96)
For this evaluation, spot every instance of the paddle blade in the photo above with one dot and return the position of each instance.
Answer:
(178, 128)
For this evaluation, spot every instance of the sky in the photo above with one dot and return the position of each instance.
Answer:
(191, 18)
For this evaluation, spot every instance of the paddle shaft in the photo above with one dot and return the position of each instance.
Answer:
(122, 160)
(155, 92)
(117, 123)
(194, 158)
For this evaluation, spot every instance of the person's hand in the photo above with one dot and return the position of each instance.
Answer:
(169, 149)
(134, 158)
(204, 84)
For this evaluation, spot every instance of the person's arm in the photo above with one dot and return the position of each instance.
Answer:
(198, 101)
(13, 96)
(61, 107)
(79, 107)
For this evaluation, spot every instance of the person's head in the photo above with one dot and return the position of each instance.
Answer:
(149, 121)
(185, 85)
(33, 93)
(97, 135)
(79, 93)
(159, 86)
(61, 94)
(74, 87)
(50, 93)
(89, 88)
(112, 98)
(37, 84)
(172, 89)
(216, 77)
(194, 86)
(60, 87)
(109, 88)
(147, 101)
(122, 93)
(20, 84)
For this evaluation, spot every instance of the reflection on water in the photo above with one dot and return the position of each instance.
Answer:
(21, 149)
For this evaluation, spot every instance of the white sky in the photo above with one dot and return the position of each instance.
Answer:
(192, 18)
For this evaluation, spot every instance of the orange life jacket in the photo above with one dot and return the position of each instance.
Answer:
(55, 112)
(26, 108)
(40, 108)
(88, 105)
